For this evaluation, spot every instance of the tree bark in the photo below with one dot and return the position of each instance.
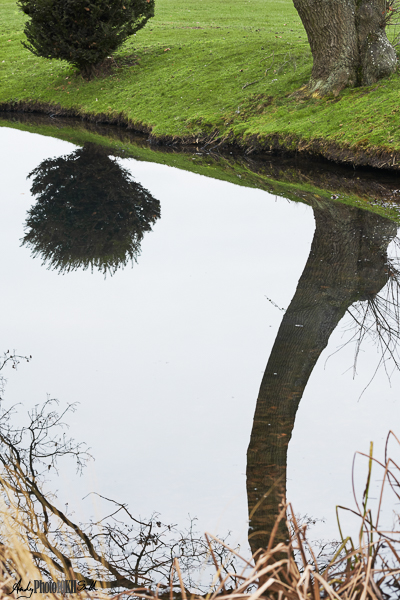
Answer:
(347, 262)
(348, 43)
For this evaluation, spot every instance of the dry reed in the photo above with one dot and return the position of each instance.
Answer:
(368, 569)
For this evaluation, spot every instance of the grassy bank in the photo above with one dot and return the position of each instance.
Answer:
(212, 70)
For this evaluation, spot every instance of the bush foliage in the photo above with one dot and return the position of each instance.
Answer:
(82, 32)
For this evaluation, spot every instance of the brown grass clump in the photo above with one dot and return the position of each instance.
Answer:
(145, 559)
(281, 572)
(369, 570)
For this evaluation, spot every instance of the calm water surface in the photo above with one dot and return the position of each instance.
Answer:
(166, 357)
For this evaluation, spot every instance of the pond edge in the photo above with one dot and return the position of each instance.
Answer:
(288, 145)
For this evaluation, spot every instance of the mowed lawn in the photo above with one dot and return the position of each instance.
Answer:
(207, 67)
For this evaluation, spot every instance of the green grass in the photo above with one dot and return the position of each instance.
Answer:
(209, 67)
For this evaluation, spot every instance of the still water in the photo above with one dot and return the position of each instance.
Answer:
(234, 288)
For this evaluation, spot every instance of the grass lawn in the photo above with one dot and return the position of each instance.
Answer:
(211, 68)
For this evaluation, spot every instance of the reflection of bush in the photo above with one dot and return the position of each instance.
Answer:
(89, 212)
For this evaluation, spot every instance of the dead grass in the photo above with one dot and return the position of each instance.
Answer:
(366, 570)
(364, 567)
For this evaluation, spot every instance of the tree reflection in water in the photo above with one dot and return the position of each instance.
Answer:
(347, 265)
(89, 212)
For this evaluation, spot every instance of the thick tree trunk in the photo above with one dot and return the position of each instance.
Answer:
(348, 43)
(377, 56)
(347, 262)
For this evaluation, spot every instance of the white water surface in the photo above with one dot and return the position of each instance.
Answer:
(165, 359)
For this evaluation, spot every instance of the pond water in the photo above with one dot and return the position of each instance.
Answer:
(166, 355)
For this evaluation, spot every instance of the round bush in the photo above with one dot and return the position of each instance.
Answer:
(82, 32)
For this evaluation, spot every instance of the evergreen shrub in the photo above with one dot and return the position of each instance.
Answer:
(82, 32)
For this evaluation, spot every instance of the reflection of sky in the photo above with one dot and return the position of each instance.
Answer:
(166, 358)
(334, 420)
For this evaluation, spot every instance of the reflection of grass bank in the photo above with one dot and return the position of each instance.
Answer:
(299, 181)
(216, 69)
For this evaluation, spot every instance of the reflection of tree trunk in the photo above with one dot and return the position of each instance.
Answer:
(346, 263)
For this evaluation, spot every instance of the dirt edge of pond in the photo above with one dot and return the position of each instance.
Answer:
(286, 145)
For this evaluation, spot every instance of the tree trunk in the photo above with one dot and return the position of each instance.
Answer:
(347, 262)
(348, 43)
